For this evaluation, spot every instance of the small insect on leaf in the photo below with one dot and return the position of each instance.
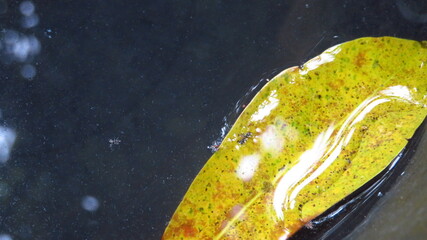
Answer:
(310, 137)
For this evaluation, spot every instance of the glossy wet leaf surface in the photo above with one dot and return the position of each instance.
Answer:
(309, 138)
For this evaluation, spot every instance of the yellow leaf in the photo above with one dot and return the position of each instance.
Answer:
(309, 138)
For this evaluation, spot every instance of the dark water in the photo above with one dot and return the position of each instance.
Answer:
(111, 104)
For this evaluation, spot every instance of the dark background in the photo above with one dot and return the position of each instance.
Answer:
(159, 77)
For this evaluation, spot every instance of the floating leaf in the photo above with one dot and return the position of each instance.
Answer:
(309, 138)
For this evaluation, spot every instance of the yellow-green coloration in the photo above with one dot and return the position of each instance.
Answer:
(310, 137)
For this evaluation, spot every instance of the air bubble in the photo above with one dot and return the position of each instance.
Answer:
(7, 139)
(28, 71)
(30, 21)
(90, 203)
(27, 8)
(5, 237)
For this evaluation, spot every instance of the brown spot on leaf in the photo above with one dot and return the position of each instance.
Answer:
(188, 229)
(337, 84)
(360, 59)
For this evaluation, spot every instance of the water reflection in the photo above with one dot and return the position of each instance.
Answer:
(325, 57)
(266, 107)
(401, 92)
(326, 149)
(306, 163)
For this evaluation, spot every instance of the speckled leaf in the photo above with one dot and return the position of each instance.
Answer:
(309, 138)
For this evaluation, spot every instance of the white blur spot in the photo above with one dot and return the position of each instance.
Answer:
(30, 21)
(271, 139)
(90, 203)
(27, 8)
(28, 71)
(266, 107)
(380, 194)
(4, 236)
(7, 138)
(247, 167)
